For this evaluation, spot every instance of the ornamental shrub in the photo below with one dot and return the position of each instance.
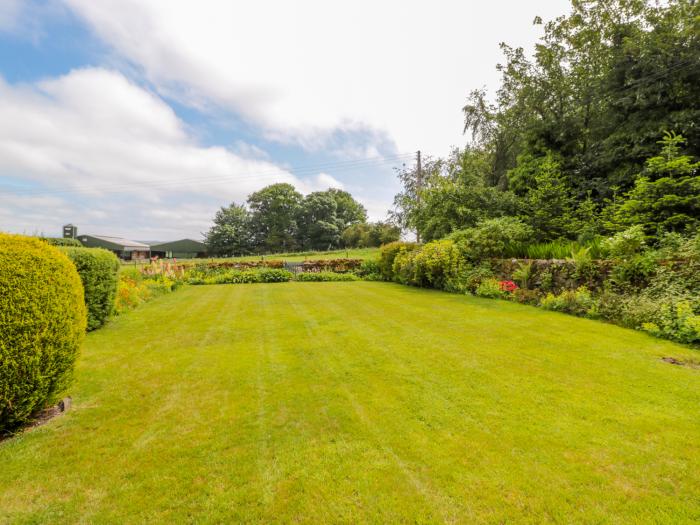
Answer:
(274, 275)
(42, 325)
(325, 276)
(491, 238)
(490, 288)
(263, 275)
(436, 264)
(388, 253)
(576, 302)
(369, 270)
(626, 243)
(404, 269)
(99, 272)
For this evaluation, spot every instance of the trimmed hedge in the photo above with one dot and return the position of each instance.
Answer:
(42, 325)
(60, 241)
(326, 276)
(99, 272)
(265, 275)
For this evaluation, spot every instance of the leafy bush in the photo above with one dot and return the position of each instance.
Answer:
(675, 321)
(388, 253)
(635, 271)
(60, 241)
(331, 265)
(490, 288)
(524, 274)
(576, 302)
(491, 237)
(98, 270)
(626, 243)
(42, 325)
(263, 275)
(403, 269)
(325, 276)
(437, 265)
(275, 275)
(470, 278)
(369, 270)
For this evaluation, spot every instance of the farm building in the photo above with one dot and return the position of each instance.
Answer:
(182, 249)
(123, 248)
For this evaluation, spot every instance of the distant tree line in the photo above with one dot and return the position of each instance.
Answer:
(280, 219)
(597, 132)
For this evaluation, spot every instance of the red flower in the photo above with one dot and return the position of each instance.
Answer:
(507, 286)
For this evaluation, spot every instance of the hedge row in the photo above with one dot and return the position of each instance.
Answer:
(331, 265)
(99, 272)
(264, 275)
(42, 325)
(325, 276)
(60, 241)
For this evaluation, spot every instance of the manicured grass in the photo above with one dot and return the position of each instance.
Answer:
(362, 402)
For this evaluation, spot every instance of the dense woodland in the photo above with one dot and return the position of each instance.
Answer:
(597, 132)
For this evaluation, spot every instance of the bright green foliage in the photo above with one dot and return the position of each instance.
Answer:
(571, 128)
(437, 264)
(490, 288)
(387, 255)
(454, 195)
(666, 197)
(626, 243)
(60, 241)
(372, 234)
(231, 233)
(99, 272)
(279, 219)
(274, 214)
(576, 302)
(548, 203)
(369, 270)
(319, 226)
(232, 276)
(42, 325)
(491, 238)
(403, 270)
(325, 277)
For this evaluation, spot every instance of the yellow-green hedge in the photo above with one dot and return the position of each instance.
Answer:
(42, 325)
(99, 272)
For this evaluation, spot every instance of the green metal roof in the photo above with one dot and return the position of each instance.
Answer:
(182, 246)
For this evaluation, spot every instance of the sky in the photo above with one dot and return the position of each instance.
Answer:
(141, 118)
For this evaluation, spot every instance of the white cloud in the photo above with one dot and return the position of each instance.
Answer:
(304, 70)
(94, 130)
(122, 148)
(323, 181)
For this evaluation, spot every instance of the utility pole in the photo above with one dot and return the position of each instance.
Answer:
(419, 185)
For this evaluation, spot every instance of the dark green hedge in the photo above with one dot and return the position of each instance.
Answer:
(99, 271)
(59, 241)
(42, 325)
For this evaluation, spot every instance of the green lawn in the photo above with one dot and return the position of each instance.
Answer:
(362, 402)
